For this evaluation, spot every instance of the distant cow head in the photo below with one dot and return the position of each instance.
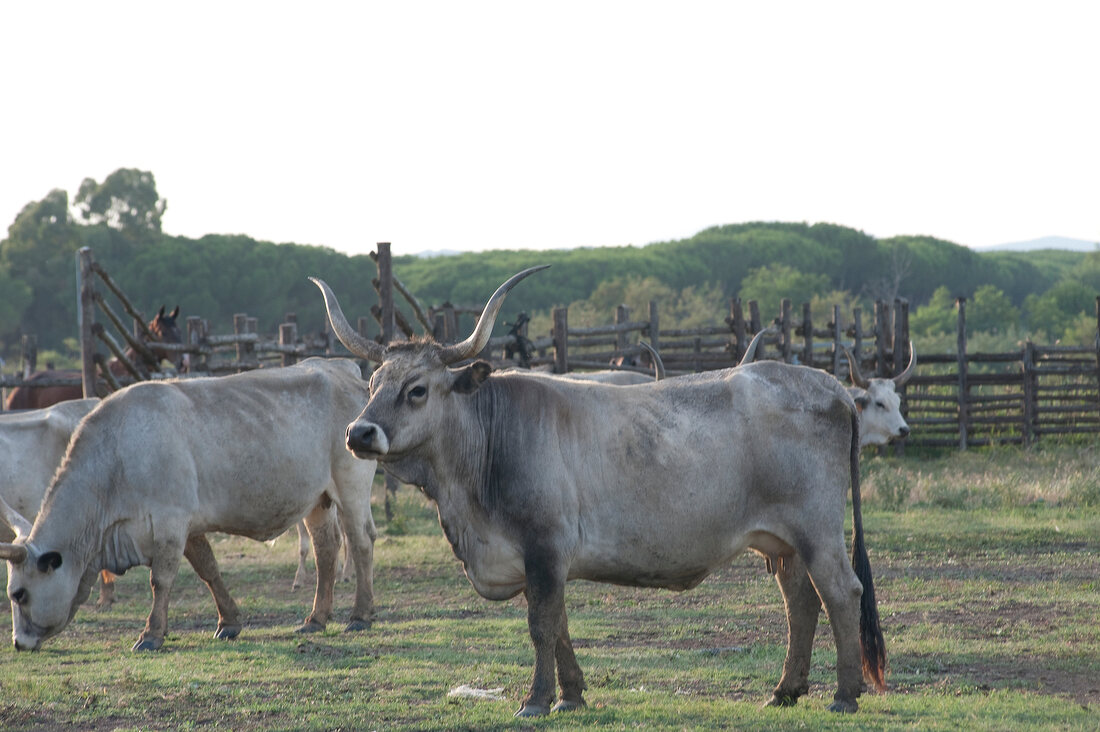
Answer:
(43, 589)
(413, 384)
(879, 405)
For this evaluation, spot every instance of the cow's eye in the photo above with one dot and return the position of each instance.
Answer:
(418, 392)
(880, 405)
(19, 596)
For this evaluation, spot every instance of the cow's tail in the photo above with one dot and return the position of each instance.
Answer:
(872, 646)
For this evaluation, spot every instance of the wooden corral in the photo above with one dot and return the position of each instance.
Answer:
(958, 399)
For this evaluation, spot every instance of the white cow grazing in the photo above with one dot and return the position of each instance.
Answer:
(156, 466)
(32, 444)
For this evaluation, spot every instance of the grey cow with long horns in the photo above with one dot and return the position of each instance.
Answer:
(540, 480)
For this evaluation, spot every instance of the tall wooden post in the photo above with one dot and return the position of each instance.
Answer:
(560, 335)
(836, 341)
(86, 317)
(1027, 429)
(385, 291)
(964, 399)
(880, 339)
(785, 327)
(288, 336)
(654, 333)
(736, 323)
(807, 336)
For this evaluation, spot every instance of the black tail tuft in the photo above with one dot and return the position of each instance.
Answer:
(872, 645)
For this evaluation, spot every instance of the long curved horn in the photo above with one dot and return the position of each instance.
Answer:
(907, 374)
(14, 553)
(658, 363)
(750, 352)
(853, 369)
(15, 520)
(484, 328)
(357, 344)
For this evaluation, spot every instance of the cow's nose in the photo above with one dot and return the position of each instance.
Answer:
(361, 436)
(903, 432)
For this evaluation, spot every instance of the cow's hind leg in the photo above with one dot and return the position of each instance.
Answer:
(106, 590)
(545, 593)
(570, 676)
(201, 557)
(840, 591)
(324, 533)
(803, 607)
(301, 574)
(162, 575)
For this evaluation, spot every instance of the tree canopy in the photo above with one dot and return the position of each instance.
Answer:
(1049, 294)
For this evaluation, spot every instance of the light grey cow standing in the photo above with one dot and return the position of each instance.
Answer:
(158, 465)
(540, 480)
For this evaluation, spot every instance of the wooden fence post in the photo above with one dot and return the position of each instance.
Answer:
(807, 336)
(880, 339)
(785, 328)
(754, 317)
(1030, 391)
(857, 333)
(385, 291)
(654, 332)
(560, 335)
(736, 322)
(86, 318)
(964, 406)
(288, 336)
(28, 354)
(622, 315)
(836, 341)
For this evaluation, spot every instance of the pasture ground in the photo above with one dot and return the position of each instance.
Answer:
(987, 568)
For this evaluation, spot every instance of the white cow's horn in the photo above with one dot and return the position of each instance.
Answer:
(853, 369)
(357, 344)
(484, 328)
(907, 374)
(15, 553)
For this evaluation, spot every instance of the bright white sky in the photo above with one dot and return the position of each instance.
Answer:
(488, 125)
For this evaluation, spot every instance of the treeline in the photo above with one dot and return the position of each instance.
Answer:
(1047, 295)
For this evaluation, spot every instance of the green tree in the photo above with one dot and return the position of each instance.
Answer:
(991, 312)
(1055, 310)
(939, 315)
(127, 200)
(768, 285)
(39, 254)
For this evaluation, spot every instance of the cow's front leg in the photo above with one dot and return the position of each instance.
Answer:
(162, 574)
(545, 593)
(201, 556)
(325, 535)
(359, 533)
(803, 608)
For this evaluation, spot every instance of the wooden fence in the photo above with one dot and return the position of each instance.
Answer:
(955, 399)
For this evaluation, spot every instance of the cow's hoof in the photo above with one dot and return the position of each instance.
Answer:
(357, 624)
(844, 707)
(781, 700)
(532, 710)
(310, 626)
(227, 632)
(148, 644)
(568, 705)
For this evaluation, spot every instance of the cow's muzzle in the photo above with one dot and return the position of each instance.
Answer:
(366, 440)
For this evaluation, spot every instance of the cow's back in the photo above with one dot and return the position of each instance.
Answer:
(215, 449)
(31, 447)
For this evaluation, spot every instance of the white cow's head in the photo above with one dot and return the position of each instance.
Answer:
(411, 388)
(878, 402)
(43, 588)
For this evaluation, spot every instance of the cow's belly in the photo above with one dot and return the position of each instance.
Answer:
(668, 564)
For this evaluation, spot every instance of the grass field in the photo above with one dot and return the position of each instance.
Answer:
(987, 569)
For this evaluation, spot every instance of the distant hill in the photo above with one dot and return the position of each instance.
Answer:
(1046, 242)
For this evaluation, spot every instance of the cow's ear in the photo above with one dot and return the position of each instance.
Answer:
(471, 377)
(862, 401)
(49, 561)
